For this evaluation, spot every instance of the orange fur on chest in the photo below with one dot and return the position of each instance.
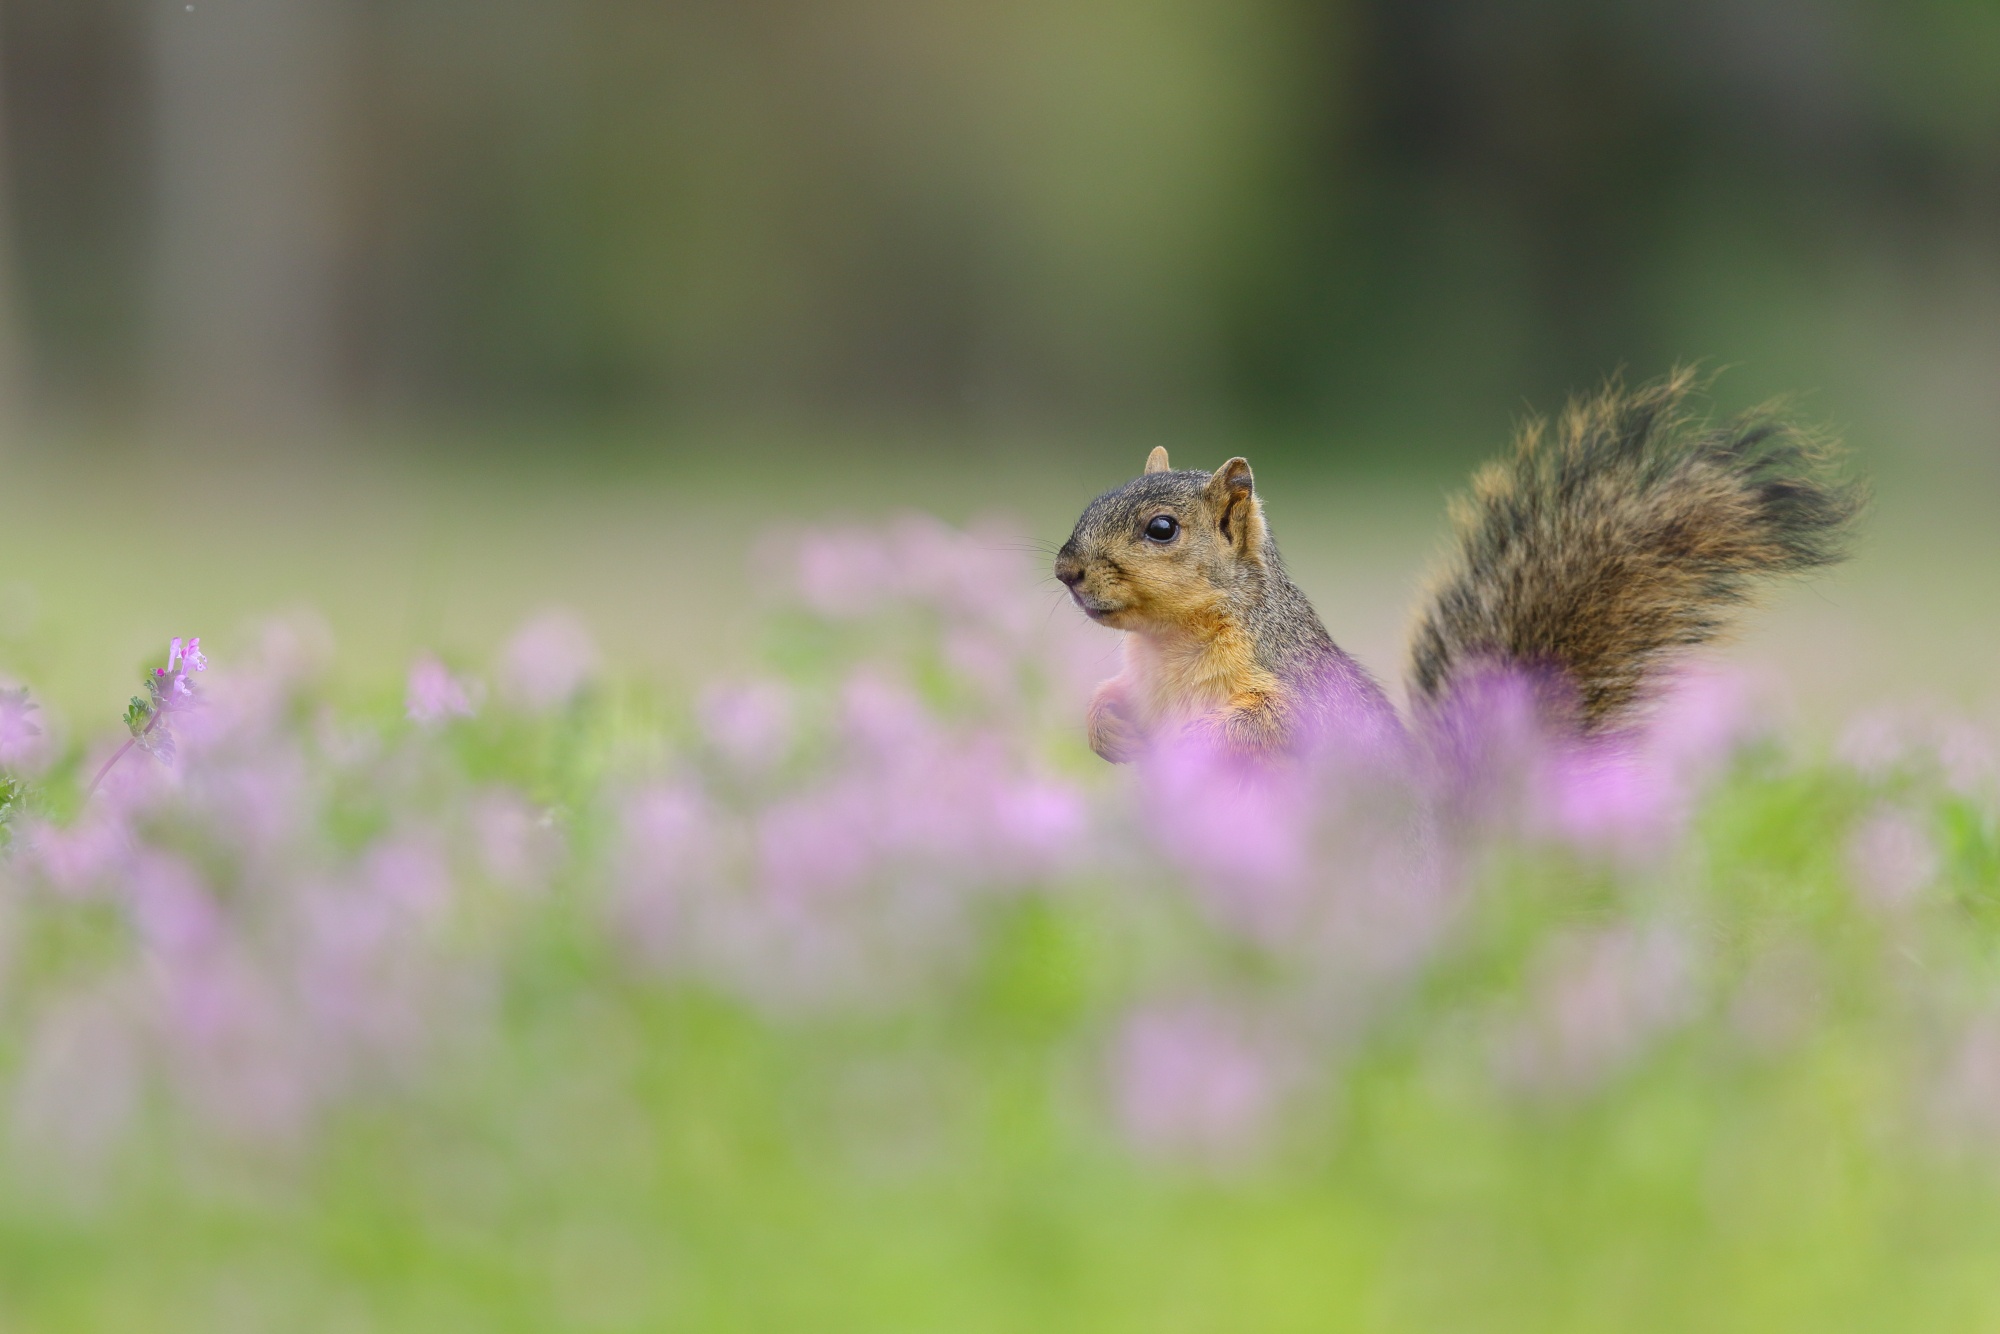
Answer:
(1191, 675)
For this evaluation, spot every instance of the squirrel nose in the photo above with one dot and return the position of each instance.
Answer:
(1070, 572)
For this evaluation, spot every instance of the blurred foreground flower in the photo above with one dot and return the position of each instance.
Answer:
(434, 696)
(1892, 858)
(23, 740)
(1595, 1000)
(1884, 745)
(547, 662)
(312, 906)
(749, 724)
(1191, 1080)
(853, 881)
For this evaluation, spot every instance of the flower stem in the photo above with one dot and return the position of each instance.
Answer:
(119, 753)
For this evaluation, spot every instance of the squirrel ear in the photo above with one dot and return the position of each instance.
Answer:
(1231, 494)
(1157, 460)
(1232, 481)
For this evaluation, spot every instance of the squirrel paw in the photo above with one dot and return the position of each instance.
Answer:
(1113, 735)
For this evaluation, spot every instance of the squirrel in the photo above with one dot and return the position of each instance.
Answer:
(1591, 557)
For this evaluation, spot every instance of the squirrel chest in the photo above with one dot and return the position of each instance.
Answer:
(1177, 677)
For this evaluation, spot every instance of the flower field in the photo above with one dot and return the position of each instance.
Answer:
(853, 993)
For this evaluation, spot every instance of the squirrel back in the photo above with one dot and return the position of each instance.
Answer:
(1588, 558)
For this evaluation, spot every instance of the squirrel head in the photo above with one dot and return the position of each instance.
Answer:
(1170, 551)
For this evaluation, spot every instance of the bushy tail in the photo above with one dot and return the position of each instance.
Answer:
(1633, 531)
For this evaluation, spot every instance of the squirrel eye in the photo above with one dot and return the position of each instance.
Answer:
(1163, 528)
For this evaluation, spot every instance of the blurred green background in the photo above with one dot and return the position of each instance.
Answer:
(426, 312)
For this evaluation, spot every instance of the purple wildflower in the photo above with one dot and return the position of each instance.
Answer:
(1596, 1000)
(240, 1060)
(1967, 758)
(1874, 743)
(171, 693)
(186, 657)
(750, 724)
(884, 718)
(1042, 824)
(434, 696)
(170, 906)
(1610, 797)
(1327, 859)
(545, 664)
(1706, 715)
(1892, 858)
(1189, 1080)
(1505, 762)
(410, 876)
(1243, 833)
(183, 658)
(1892, 743)
(518, 846)
(24, 739)
(816, 844)
(670, 851)
(75, 859)
(846, 572)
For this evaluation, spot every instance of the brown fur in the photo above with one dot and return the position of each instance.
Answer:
(1591, 555)
(1221, 640)
(1632, 532)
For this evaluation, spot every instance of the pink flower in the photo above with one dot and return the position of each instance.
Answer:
(1242, 833)
(262, 802)
(434, 695)
(1609, 797)
(24, 742)
(816, 844)
(749, 724)
(1597, 999)
(1189, 1080)
(518, 846)
(1967, 758)
(1893, 743)
(986, 661)
(174, 911)
(410, 876)
(885, 718)
(1703, 718)
(1044, 824)
(1875, 744)
(183, 657)
(846, 572)
(669, 850)
(1892, 858)
(76, 858)
(547, 662)
(241, 1061)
